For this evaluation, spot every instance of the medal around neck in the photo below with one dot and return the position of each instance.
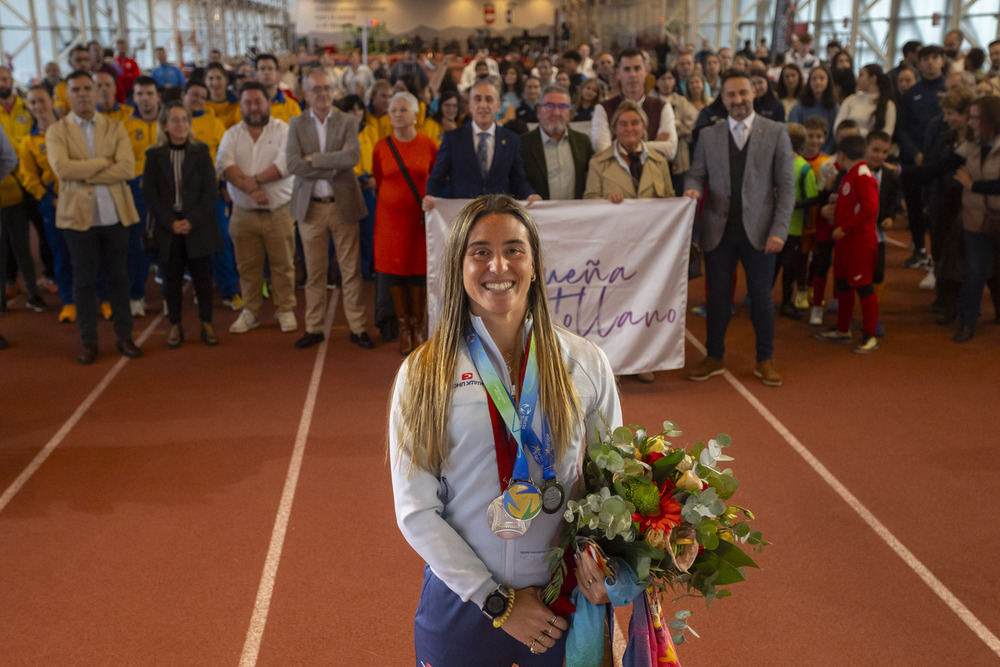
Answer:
(552, 496)
(522, 500)
(502, 524)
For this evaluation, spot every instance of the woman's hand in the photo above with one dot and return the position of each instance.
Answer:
(963, 176)
(532, 623)
(590, 579)
(616, 197)
(182, 226)
(428, 203)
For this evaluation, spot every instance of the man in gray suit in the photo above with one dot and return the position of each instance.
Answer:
(747, 166)
(555, 157)
(326, 200)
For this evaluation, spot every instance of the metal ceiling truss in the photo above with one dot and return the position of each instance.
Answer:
(33, 32)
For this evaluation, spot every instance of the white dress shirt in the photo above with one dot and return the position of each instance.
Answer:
(747, 123)
(322, 187)
(252, 157)
(600, 131)
(105, 212)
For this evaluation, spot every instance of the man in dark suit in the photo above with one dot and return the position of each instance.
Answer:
(556, 157)
(747, 166)
(322, 149)
(489, 163)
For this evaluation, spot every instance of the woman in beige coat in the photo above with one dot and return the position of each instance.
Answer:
(628, 169)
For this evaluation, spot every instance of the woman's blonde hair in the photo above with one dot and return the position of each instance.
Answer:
(625, 107)
(430, 377)
(161, 131)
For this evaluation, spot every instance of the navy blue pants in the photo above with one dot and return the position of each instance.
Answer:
(450, 633)
(720, 267)
(980, 249)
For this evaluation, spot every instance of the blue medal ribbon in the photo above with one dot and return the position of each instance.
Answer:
(518, 423)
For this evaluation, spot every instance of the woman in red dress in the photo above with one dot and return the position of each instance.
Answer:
(400, 246)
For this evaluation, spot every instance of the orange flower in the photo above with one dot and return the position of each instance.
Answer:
(668, 516)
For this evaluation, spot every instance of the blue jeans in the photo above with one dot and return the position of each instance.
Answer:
(450, 633)
(979, 250)
(720, 267)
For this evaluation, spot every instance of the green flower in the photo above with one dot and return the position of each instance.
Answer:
(644, 495)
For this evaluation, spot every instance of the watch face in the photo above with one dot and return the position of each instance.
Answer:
(495, 604)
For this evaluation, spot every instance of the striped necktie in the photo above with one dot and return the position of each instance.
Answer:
(482, 154)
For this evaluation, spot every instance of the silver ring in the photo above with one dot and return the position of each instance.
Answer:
(539, 640)
(552, 621)
(592, 580)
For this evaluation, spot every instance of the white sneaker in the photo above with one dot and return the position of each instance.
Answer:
(929, 282)
(287, 322)
(244, 323)
(138, 307)
(816, 316)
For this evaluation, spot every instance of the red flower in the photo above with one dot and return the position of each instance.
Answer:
(668, 516)
(652, 457)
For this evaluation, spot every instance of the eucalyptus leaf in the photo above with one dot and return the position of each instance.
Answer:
(677, 625)
(723, 440)
(678, 639)
(683, 614)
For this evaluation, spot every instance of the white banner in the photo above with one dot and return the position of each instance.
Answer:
(614, 273)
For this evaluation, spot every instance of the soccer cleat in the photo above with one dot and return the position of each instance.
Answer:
(700, 311)
(106, 310)
(929, 282)
(68, 313)
(834, 336)
(816, 316)
(868, 345)
(138, 307)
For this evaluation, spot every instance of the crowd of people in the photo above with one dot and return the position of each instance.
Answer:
(278, 175)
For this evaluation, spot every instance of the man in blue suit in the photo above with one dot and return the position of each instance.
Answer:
(488, 163)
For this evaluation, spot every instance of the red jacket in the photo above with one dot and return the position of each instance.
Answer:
(128, 72)
(856, 211)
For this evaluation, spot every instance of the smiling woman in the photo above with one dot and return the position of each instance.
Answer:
(495, 355)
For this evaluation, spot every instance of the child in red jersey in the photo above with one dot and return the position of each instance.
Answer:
(855, 219)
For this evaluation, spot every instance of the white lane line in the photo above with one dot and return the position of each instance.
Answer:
(866, 515)
(73, 420)
(255, 633)
(898, 244)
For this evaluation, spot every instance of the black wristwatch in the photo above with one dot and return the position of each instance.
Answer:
(496, 602)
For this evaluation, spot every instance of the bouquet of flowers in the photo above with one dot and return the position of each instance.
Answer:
(663, 511)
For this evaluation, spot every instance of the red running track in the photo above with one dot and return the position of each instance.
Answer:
(142, 538)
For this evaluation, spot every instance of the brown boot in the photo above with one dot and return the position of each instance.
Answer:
(401, 302)
(418, 313)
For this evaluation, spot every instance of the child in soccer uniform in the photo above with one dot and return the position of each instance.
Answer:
(812, 152)
(827, 181)
(855, 220)
(806, 197)
(878, 145)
